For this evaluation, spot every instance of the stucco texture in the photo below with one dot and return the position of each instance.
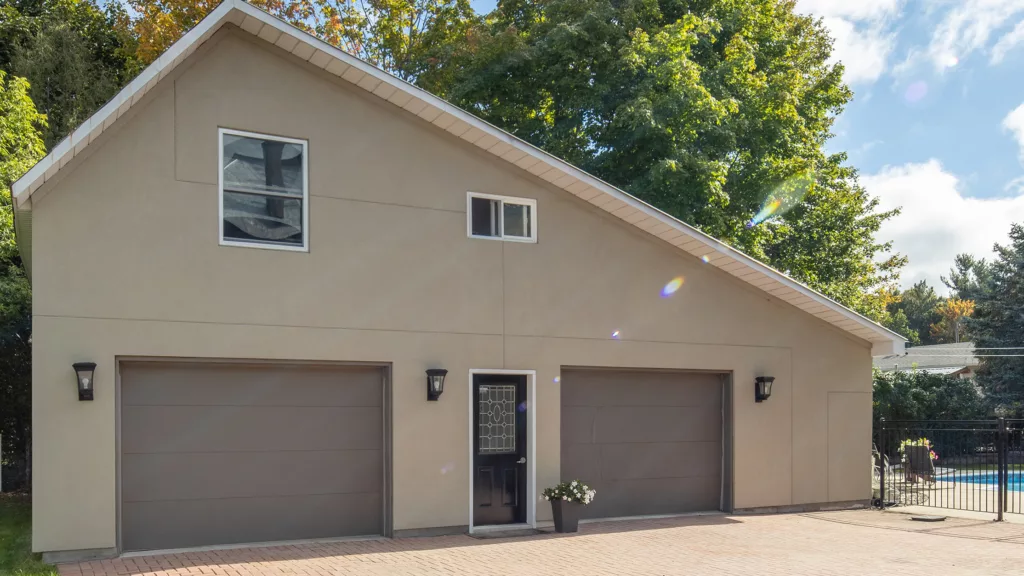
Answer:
(127, 264)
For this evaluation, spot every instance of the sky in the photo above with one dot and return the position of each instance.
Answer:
(936, 126)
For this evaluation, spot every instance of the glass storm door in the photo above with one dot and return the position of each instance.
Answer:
(499, 449)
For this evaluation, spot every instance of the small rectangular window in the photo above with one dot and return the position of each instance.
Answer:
(264, 195)
(502, 217)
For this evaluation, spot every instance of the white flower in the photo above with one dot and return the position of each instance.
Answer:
(565, 498)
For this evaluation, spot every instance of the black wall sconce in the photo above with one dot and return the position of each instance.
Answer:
(763, 388)
(84, 371)
(435, 383)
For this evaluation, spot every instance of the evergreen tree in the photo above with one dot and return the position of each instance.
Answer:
(968, 277)
(919, 304)
(998, 322)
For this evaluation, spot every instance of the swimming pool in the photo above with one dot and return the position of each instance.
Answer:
(1015, 479)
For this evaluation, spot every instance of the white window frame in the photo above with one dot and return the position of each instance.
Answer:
(532, 239)
(221, 132)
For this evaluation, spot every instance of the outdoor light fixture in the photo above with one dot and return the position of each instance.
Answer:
(435, 382)
(763, 388)
(84, 371)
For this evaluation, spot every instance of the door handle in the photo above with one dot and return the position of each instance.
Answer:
(522, 460)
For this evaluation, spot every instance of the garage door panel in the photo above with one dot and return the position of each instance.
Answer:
(578, 425)
(656, 424)
(582, 462)
(182, 524)
(655, 496)
(655, 441)
(179, 384)
(192, 476)
(243, 428)
(221, 463)
(661, 460)
(621, 388)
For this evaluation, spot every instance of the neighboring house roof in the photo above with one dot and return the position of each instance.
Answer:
(471, 129)
(936, 359)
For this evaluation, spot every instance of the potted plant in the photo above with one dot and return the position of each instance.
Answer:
(918, 459)
(566, 501)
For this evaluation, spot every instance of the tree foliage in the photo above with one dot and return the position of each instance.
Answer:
(920, 304)
(710, 111)
(408, 38)
(21, 145)
(75, 55)
(917, 395)
(20, 148)
(998, 322)
(968, 277)
(953, 314)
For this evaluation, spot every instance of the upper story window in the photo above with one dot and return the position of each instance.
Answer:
(264, 191)
(501, 217)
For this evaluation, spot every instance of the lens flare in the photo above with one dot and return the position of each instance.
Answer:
(557, 379)
(766, 212)
(616, 334)
(673, 285)
(705, 259)
(916, 92)
(784, 198)
(522, 406)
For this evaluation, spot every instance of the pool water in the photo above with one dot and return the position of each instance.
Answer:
(1015, 479)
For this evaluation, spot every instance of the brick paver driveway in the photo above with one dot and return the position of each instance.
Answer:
(839, 543)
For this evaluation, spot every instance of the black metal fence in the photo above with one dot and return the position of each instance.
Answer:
(975, 465)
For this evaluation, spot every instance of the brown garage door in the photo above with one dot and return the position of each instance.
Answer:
(229, 453)
(648, 442)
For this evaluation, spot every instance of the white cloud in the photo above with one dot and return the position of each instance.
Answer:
(969, 27)
(863, 50)
(863, 39)
(1014, 123)
(937, 221)
(1007, 43)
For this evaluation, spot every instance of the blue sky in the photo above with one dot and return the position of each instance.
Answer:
(932, 127)
(937, 123)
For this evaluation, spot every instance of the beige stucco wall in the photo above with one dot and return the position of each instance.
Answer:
(127, 263)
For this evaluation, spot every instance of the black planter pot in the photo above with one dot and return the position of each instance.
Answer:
(567, 515)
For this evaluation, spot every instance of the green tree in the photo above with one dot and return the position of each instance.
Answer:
(998, 322)
(968, 277)
(75, 55)
(917, 395)
(919, 304)
(21, 146)
(897, 322)
(716, 112)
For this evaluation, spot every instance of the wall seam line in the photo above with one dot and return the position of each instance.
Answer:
(502, 333)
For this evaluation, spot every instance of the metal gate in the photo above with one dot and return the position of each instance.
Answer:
(975, 465)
